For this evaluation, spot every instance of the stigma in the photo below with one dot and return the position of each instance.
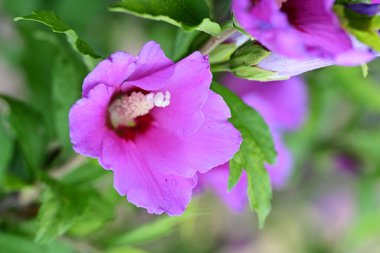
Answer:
(124, 110)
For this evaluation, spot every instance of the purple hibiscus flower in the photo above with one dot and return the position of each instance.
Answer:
(285, 67)
(366, 9)
(283, 104)
(300, 29)
(155, 124)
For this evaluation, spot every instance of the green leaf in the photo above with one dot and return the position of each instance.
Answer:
(236, 169)
(51, 20)
(29, 132)
(188, 14)
(12, 243)
(84, 174)
(73, 204)
(94, 218)
(6, 147)
(182, 43)
(98, 211)
(152, 231)
(256, 150)
(15, 244)
(61, 207)
(66, 89)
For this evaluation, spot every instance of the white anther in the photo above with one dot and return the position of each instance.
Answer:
(150, 97)
(167, 95)
(166, 100)
(125, 109)
(159, 99)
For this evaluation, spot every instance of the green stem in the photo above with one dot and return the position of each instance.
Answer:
(212, 43)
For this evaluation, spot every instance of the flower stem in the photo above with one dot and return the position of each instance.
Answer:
(66, 168)
(213, 42)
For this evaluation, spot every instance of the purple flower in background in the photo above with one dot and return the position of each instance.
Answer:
(217, 181)
(300, 29)
(285, 67)
(155, 124)
(284, 106)
(346, 162)
(334, 211)
(365, 9)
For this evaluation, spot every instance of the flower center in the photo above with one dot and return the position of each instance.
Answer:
(125, 109)
(281, 2)
(294, 14)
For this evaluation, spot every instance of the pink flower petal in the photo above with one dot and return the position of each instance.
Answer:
(156, 168)
(88, 121)
(112, 71)
(213, 144)
(143, 184)
(188, 86)
(150, 60)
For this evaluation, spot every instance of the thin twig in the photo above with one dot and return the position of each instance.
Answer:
(67, 167)
(212, 43)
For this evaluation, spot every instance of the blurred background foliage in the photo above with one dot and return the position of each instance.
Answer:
(332, 203)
